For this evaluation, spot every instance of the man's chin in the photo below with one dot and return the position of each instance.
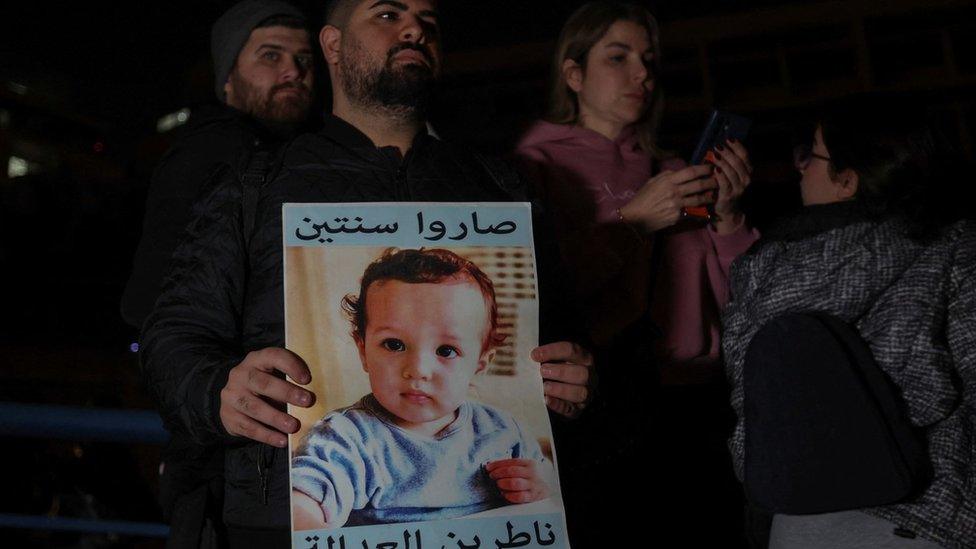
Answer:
(408, 86)
(289, 109)
(415, 71)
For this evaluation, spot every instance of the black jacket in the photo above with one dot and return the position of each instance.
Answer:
(216, 139)
(223, 301)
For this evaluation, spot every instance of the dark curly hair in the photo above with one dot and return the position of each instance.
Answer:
(422, 266)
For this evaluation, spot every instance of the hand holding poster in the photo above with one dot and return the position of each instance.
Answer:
(430, 428)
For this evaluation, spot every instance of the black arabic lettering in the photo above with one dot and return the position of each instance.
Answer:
(509, 227)
(463, 235)
(538, 538)
(360, 228)
(372, 230)
(406, 539)
(514, 540)
(342, 228)
(477, 229)
(437, 227)
(347, 230)
(505, 227)
(462, 545)
(317, 235)
(328, 229)
(314, 540)
(342, 542)
(324, 226)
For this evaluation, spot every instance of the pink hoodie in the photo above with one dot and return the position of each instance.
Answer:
(584, 177)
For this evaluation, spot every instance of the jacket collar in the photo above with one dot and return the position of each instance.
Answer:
(350, 137)
(813, 220)
(344, 133)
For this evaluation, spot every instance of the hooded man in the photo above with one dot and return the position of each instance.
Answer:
(263, 79)
(262, 61)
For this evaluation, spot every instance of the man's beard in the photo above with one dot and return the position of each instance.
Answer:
(405, 89)
(285, 108)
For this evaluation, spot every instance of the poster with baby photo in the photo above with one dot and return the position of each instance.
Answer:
(429, 428)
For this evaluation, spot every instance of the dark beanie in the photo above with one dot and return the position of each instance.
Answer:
(232, 30)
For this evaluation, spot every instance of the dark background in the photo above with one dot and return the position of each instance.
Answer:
(83, 85)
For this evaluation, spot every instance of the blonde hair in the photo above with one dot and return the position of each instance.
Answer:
(584, 28)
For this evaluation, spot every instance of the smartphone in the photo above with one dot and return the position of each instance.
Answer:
(721, 126)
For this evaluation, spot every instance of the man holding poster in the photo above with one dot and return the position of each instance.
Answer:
(213, 348)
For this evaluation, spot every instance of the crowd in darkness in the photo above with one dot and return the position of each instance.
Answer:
(690, 307)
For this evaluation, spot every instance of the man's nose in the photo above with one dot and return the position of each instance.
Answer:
(291, 69)
(413, 30)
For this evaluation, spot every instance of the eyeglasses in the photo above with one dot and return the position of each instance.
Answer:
(803, 155)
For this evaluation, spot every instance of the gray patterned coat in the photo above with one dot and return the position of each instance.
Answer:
(915, 305)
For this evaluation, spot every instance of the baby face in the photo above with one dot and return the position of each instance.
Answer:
(422, 345)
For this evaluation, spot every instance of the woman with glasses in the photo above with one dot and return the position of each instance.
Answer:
(885, 245)
(616, 198)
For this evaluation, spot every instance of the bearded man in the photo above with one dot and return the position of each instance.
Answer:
(262, 61)
(213, 348)
(263, 66)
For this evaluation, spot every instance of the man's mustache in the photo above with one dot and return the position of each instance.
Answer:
(411, 46)
(300, 86)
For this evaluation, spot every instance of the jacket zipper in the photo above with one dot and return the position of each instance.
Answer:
(264, 472)
(400, 184)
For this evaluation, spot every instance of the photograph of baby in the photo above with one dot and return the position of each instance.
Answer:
(429, 407)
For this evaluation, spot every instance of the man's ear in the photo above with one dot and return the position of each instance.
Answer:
(361, 346)
(229, 93)
(330, 40)
(573, 75)
(847, 182)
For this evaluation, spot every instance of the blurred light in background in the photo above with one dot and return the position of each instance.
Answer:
(172, 120)
(17, 167)
(17, 88)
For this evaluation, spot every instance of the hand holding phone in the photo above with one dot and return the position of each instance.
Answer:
(659, 202)
(722, 126)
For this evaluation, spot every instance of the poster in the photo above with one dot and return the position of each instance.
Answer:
(430, 429)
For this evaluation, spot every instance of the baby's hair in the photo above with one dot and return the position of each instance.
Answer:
(422, 266)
